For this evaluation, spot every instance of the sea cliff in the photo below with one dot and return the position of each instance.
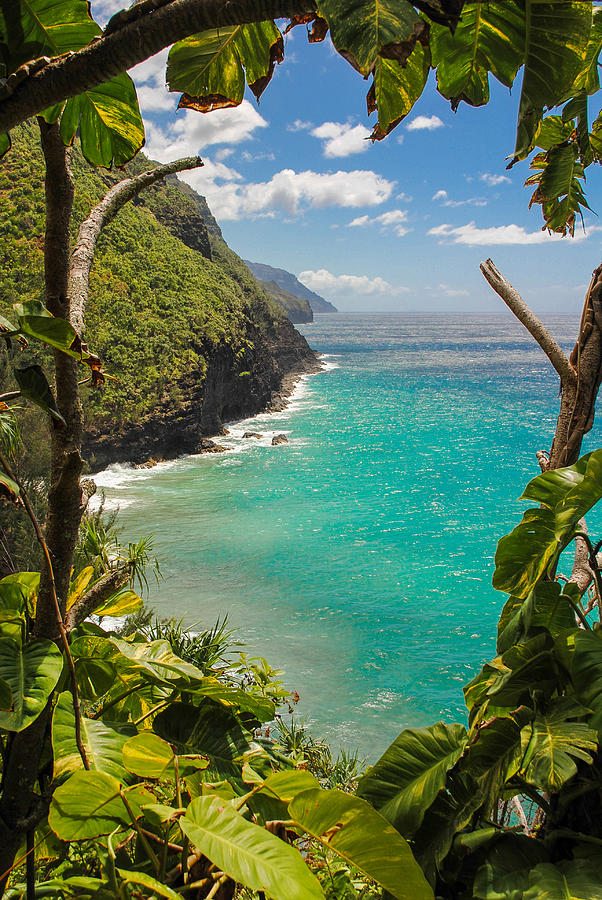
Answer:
(186, 332)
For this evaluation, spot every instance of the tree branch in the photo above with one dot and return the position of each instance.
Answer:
(37, 86)
(534, 326)
(106, 586)
(83, 252)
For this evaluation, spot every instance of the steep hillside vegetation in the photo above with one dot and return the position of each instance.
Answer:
(177, 317)
(289, 282)
(297, 309)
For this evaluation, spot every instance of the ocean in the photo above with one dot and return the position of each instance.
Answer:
(358, 557)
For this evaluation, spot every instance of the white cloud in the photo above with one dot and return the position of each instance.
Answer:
(224, 153)
(290, 191)
(405, 198)
(449, 291)
(102, 10)
(494, 180)
(501, 234)
(342, 139)
(391, 219)
(324, 282)
(149, 77)
(443, 197)
(299, 124)
(253, 157)
(424, 123)
(191, 132)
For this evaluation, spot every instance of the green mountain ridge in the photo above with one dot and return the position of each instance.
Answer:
(297, 309)
(174, 313)
(290, 283)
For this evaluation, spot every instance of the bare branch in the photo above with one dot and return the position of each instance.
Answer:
(98, 593)
(83, 252)
(42, 83)
(534, 326)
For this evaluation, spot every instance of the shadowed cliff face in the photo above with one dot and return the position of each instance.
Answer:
(210, 400)
(185, 330)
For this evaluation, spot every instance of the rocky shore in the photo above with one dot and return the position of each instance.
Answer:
(278, 359)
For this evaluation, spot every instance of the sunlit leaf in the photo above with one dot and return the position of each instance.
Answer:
(103, 743)
(89, 804)
(396, 88)
(490, 37)
(31, 672)
(209, 68)
(556, 39)
(555, 743)
(578, 879)
(363, 29)
(249, 854)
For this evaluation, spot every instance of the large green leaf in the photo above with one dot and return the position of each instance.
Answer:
(364, 29)
(490, 37)
(149, 756)
(411, 772)
(209, 68)
(34, 386)
(123, 603)
(210, 730)
(247, 853)
(558, 178)
(89, 804)
(31, 671)
(556, 39)
(395, 89)
(505, 873)
(524, 555)
(156, 660)
(350, 827)
(554, 743)
(103, 744)
(110, 126)
(576, 880)
(524, 667)
(546, 607)
(33, 28)
(19, 592)
(260, 707)
(589, 78)
(586, 673)
(451, 811)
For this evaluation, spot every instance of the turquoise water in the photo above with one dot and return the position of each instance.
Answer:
(359, 556)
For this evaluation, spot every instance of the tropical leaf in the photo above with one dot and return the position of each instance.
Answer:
(546, 607)
(576, 880)
(42, 28)
(521, 668)
(103, 743)
(558, 178)
(553, 130)
(589, 79)
(31, 672)
(451, 811)
(411, 772)
(78, 586)
(157, 661)
(19, 592)
(209, 68)
(395, 89)
(554, 743)
(260, 707)
(249, 854)
(89, 804)
(556, 39)
(586, 673)
(351, 828)
(34, 386)
(123, 603)
(490, 37)
(147, 882)
(9, 489)
(362, 30)
(523, 556)
(110, 126)
(287, 784)
(148, 756)
(505, 873)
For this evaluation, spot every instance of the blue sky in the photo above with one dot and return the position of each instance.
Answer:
(397, 225)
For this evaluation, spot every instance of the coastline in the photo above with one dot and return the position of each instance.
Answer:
(279, 401)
